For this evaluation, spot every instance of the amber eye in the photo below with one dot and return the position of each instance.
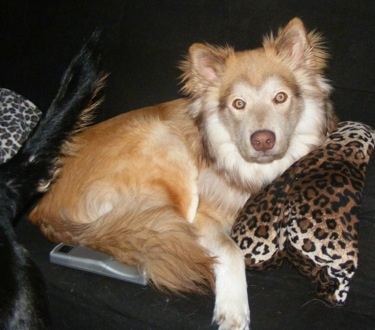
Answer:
(280, 97)
(238, 104)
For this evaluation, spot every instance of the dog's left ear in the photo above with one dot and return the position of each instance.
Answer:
(298, 47)
(291, 42)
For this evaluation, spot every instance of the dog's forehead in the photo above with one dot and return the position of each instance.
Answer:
(271, 84)
(256, 68)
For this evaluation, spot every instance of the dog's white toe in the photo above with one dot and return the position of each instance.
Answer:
(232, 317)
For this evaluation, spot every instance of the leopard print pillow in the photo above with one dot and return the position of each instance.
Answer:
(18, 118)
(309, 214)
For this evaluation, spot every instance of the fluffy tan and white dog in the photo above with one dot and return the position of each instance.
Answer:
(161, 186)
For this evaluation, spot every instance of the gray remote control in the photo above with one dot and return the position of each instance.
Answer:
(84, 258)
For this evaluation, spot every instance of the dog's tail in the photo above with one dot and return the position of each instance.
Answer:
(163, 244)
(33, 168)
(23, 298)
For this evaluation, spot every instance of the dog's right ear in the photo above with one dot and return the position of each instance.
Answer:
(203, 67)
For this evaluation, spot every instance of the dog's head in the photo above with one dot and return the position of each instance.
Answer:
(263, 100)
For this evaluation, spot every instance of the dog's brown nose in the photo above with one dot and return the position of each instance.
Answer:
(263, 140)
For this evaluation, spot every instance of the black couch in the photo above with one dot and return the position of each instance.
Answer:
(144, 40)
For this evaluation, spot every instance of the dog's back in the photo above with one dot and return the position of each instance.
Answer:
(22, 293)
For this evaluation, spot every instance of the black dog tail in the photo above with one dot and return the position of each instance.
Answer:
(33, 168)
(23, 299)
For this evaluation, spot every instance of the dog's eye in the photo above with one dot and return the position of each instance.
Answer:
(238, 104)
(280, 97)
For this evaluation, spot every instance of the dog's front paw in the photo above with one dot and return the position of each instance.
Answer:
(231, 306)
(229, 316)
(231, 303)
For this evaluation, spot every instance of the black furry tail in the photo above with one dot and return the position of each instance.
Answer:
(33, 167)
(23, 302)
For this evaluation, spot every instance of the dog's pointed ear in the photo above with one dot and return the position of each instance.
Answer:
(207, 61)
(292, 42)
(297, 47)
(203, 67)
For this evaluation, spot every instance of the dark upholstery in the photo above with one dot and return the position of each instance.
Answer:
(144, 42)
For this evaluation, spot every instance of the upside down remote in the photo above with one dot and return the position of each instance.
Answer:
(84, 258)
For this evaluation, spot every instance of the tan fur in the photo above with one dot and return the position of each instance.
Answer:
(160, 187)
(133, 194)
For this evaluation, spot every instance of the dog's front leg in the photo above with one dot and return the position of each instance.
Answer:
(231, 302)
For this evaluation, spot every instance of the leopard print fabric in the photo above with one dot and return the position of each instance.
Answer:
(309, 214)
(18, 117)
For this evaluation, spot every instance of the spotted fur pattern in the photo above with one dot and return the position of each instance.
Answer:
(18, 117)
(309, 214)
